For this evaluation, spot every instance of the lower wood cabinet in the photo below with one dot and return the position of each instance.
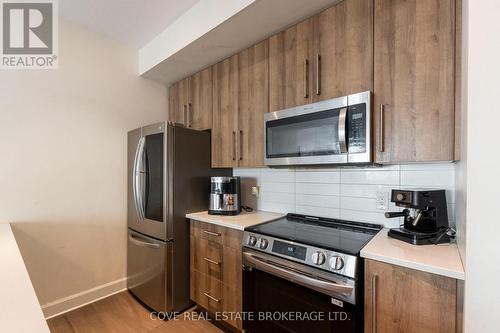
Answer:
(399, 299)
(215, 261)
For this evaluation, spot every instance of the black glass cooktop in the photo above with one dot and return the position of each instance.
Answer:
(330, 234)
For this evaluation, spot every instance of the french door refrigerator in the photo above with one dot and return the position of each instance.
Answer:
(168, 176)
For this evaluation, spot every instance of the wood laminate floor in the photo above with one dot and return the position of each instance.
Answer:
(121, 313)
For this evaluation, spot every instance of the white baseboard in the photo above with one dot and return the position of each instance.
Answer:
(66, 304)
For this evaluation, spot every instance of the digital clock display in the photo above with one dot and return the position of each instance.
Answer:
(291, 250)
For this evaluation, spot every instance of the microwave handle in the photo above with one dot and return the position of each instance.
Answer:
(342, 130)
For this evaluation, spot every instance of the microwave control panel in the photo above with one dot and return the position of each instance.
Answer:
(357, 128)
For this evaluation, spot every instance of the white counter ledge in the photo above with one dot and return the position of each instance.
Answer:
(239, 222)
(19, 307)
(442, 259)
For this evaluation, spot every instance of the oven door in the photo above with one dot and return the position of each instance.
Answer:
(283, 296)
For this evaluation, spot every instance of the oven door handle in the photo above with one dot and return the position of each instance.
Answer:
(342, 130)
(301, 278)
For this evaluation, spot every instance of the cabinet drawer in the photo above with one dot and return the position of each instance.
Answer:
(222, 235)
(207, 291)
(207, 257)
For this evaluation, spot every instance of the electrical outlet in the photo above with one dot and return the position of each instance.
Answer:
(382, 200)
(256, 191)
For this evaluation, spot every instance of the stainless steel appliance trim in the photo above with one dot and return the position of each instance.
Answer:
(211, 261)
(138, 179)
(318, 74)
(168, 175)
(212, 298)
(134, 239)
(381, 129)
(327, 283)
(350, 261)
(342, 130)
(211, 233)
(367, 156)
(335, 103)
(222, 179)
(374, 303)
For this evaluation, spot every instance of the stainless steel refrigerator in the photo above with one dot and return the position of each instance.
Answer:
(168, 176)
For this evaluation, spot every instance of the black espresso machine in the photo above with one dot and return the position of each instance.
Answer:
(425, 217)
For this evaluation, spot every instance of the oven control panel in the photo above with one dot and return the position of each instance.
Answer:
(335, 262)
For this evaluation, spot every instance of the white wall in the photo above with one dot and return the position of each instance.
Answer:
(482, 288)
(348, 193)
(63, 163)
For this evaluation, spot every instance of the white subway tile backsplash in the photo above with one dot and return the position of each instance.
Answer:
(278, 187)
(347, 193)
(278, 175)
(317, 177)
(364, 191)
(378, 177)
(318, 211)
(331, 201)
(321, 189)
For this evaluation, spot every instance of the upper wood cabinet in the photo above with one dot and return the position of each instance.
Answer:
(178, 101)
(240, 91)
(343, 50)
(253, 103)
(225, 113)
(190, 101)
(329, 55)
(290, 66)
(399, 299)
(414, 101)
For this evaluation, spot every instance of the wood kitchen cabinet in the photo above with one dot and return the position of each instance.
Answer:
(414, 81)
(190, 101)
(290, 66)
(399, 299)
(240, 91)
(343, 50)
(327, 56)
(216, 280)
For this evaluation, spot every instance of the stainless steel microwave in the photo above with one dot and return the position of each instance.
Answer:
(335, 131)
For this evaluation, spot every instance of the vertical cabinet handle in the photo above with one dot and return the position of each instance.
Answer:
(318, 74)
(184, 121)
(306, 78)
(241, 145)
(381, 129)
(189, 114)
(374, 303)
(234, 146)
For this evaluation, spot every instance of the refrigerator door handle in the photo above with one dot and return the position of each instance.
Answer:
(140, 242)
(138, 178)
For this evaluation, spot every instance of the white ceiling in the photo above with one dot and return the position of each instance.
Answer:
(133, 22)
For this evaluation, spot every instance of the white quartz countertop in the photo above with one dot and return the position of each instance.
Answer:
(240, 221)
(19, 307)
(442, 259)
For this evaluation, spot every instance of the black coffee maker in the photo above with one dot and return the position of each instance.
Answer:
(425, 216)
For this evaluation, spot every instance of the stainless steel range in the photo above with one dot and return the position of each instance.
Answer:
(306, 266)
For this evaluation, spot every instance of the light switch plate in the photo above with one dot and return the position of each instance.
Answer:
(382, 200)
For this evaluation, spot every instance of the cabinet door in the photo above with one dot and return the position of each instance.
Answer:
(414, 52)
(199, 107)
(178, 101)
(343, 53)
(225, 113)
(253, 103)
(399, 299)
(290, 66)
